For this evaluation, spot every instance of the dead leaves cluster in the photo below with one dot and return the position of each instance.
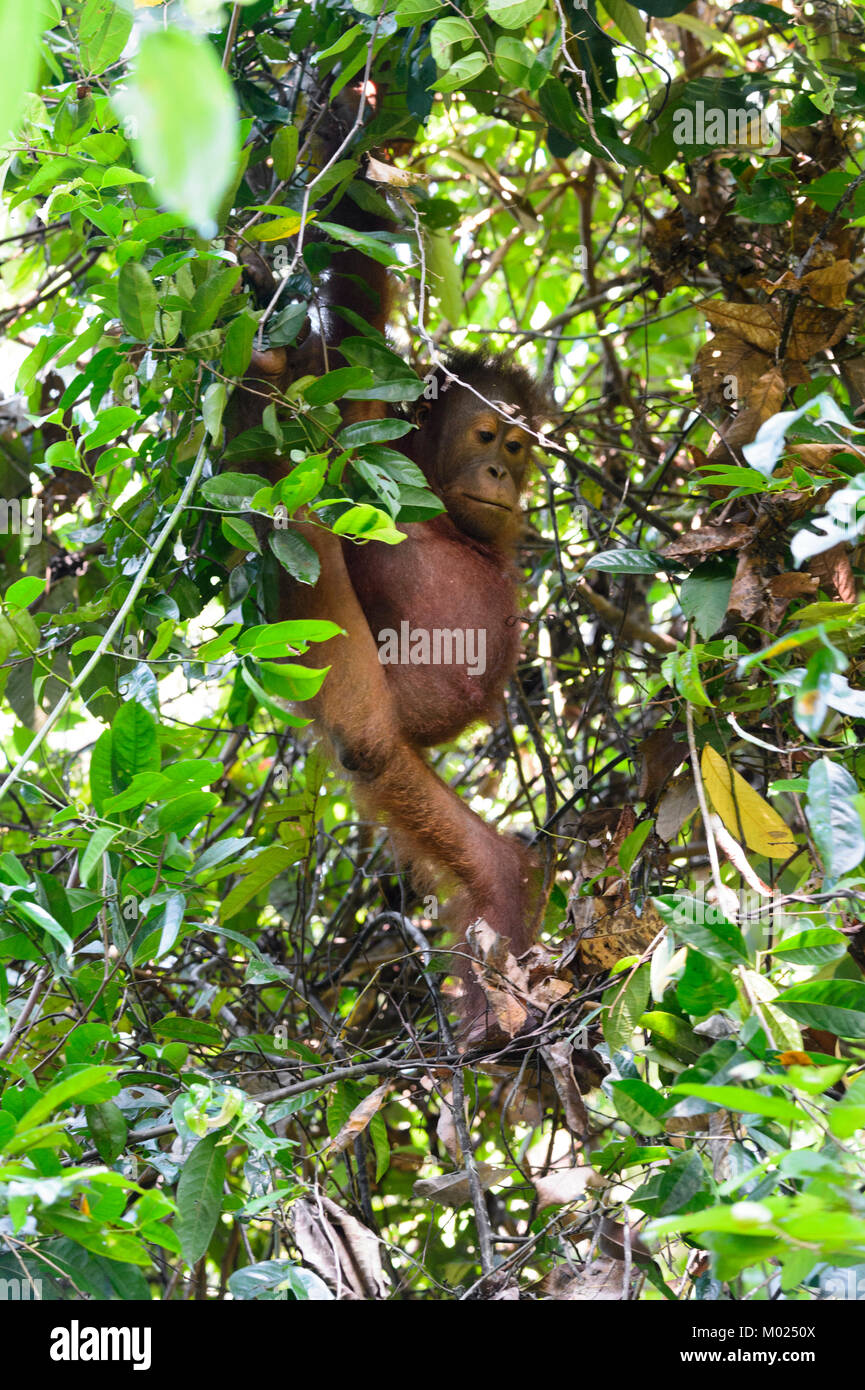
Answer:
(515, 991)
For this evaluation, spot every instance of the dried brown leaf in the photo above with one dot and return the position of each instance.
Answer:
(661, 754)
(677, 805)
(709, 540)
(828, 285)
(815, 330)
(559, 1059)
(612, 936)
(453, 1189)
(722, 357)
(753, 323)
(446, 1130)
(615, 1239)
(602, 1281)
(833, 570)
(782, 590)
(359, 1119)
(345, 1253)
(567, 1185)
(499, 976)
(748, 589)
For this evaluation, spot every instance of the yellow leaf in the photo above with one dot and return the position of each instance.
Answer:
(276, 230)
(743, 811)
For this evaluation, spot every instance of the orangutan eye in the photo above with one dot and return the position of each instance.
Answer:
(486, 436)
(513, 446)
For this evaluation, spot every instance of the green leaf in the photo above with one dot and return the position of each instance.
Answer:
(96, 846)
(101, 783)
(680, 1183)
(145, 786)
(212, 406)
(683, 668)
(445, 33)
(182, 815)
(172, 921)
(818, 946)
(20, 28)
(209, 299)
(632, 844)
(461, 73)
(291, 681)
(514, 14)
(704, 595)
(257, 874)
(629, 562)
(296, 555)
(673, 1034)
(625, 1004)
(834, 820)
(704, 987)
(394, 378)
(108, 1129)
(367, 242)
(199, 1197)
(240, 533)
(627, 19)
(192, 1030)
(109, 424)
(838, 1006)
(848, 1115)
(232, 491)
(639, 1105)
(283, 151)
(217, 853)
(278, 228)
(663, 9)
(746, 1102)
(702, 925)
(410, 12)
(239, 337)
(81, 1080)
(284, 327)
(134, 744)
(513, 61)
(180, 111)
(103, 32)
(219, 646)
(73, 119)
(136, 300)
(372, 432)
(266, 1277)
(333, 385)
(24, 591)
(368, 523)
(278, 639)
(35, 913)
(767, 202)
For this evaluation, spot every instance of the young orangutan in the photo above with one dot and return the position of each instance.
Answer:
(453, 576)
